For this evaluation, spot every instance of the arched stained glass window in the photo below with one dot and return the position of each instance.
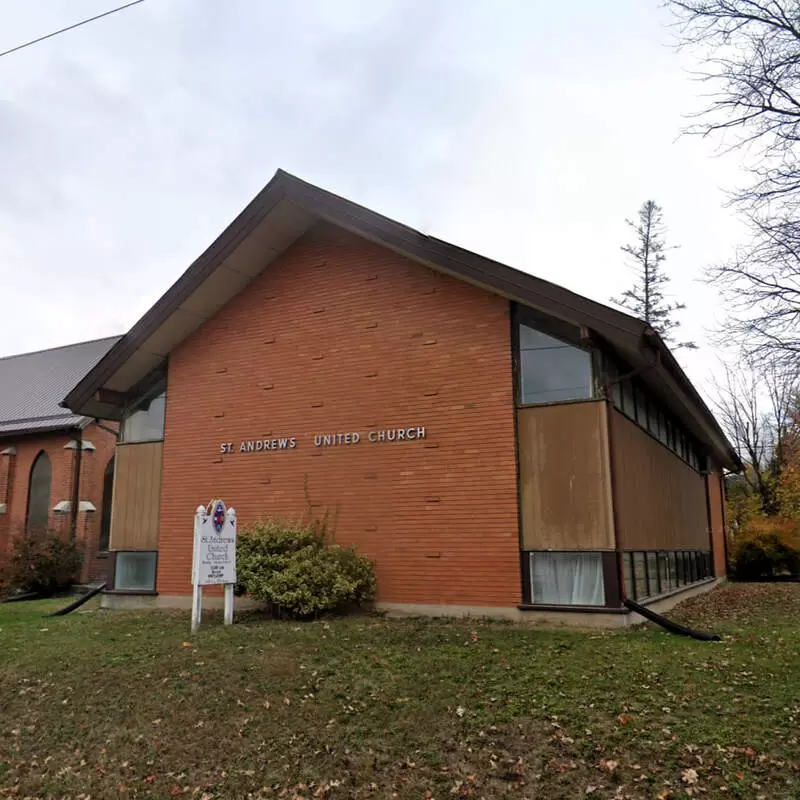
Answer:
(39, 492)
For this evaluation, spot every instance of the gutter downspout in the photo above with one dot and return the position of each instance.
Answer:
(76, 485)
(633, 373)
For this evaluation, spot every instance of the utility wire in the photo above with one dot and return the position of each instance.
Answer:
(70, 27)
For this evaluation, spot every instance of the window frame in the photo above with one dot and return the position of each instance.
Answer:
(42, 457)
(156, 387)
(628, 400)
(640, 403)
(629, 575)
(637, 578)
(610, 575)
(138, 590)
(561, 332)
(674, 570)
(634, 399)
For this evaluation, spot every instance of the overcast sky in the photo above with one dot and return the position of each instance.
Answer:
(527, 131)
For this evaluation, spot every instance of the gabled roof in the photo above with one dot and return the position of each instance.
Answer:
(282, 212)
(32, 386)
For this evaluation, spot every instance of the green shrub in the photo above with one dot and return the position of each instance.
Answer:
(291, 566)
(767, 548)
(43, 561)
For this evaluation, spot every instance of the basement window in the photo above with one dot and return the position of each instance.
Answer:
(135, 571)
(567, 579)
(552, 370)
(656, 572)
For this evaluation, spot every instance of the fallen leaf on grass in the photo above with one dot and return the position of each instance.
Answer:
(689, 776)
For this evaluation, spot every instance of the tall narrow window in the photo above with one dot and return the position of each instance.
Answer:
(105, 517)
(39, 493)
(640, 574)
(628, 406)
(641, 407)
(552, 370)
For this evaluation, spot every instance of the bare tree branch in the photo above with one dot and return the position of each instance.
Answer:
(751, 55)
(755, 407)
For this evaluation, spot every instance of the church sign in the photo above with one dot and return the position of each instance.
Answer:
(331, 439)
(214, 557)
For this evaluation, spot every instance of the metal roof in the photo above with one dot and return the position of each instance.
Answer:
(280, 214)
(32, 386)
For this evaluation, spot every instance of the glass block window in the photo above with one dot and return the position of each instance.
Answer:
(135, 571)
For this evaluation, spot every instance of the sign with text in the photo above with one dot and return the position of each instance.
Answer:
(216, 547)
(214, 556)
(409, 433)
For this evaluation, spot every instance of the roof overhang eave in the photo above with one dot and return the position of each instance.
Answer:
(285, 196)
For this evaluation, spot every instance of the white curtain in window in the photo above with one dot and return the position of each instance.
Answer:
(567, 579)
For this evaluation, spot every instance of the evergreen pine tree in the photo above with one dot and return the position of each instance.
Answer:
(646, 298)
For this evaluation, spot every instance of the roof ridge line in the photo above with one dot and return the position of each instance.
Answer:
(61, 347)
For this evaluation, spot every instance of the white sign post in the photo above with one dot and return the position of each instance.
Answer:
(214, 556)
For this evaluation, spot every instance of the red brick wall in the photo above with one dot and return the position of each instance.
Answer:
(16, 471)
(93, 467)
(61, 464)
(342, 335)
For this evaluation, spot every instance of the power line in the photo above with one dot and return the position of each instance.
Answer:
(70, 27)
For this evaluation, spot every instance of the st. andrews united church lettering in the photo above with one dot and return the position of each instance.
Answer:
(408, 434)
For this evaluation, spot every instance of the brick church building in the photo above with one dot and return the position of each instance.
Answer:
(495, 443)
(56, 467)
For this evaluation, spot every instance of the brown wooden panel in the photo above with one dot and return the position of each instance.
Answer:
(564, 477)
(136, 496)
(716, 504)
(660, 501)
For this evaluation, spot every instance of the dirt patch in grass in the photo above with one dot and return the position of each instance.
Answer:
(119, 704)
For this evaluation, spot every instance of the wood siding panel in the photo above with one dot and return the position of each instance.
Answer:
(565, 485)
(137, 492)
(716, 501)
(660, 500)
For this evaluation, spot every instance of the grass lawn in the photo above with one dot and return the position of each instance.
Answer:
(120, 704)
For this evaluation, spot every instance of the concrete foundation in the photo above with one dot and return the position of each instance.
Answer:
(182, 602)
(664, 603)
(548, 618)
